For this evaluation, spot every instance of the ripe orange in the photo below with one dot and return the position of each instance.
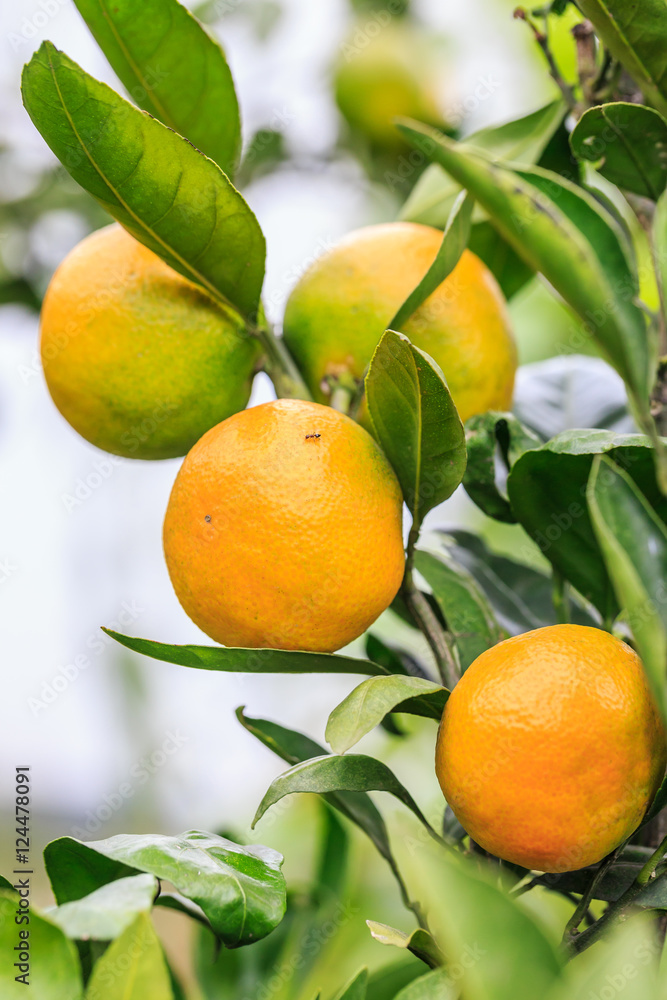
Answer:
(551, 747)
(138, 359)
(341, 306)
(284, 529)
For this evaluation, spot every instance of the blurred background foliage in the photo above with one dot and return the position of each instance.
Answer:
(81, 531)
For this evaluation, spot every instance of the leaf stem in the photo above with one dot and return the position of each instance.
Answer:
(618, 910)
(561, 598)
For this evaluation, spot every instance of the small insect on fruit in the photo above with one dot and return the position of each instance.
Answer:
(312, 436)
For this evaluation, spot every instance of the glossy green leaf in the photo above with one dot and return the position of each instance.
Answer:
(435, 985)
(172, 68)
(419, 942)
(164, 191)
(467, 612)
(132, 968)
(240, 889)
(356, 988)
(522, 140)
(416, 423)
(562, 231)
(333, 773)
(105, 913)
(487, 435)
(5, 883)
(520, 596)
(635, 35)
(250, 661)
(628, 143)
(498, 949)
(366, 706)
(659, 802)
(54, 970)
(547, 491)
(454, 241)
(633, 541)
(295, 748)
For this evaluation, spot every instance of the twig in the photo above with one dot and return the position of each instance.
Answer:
(572, 926)
(522, 15)
(618, 910)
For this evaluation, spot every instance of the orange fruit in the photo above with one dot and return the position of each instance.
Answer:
(551, 747)
(283, 529)
(341, 306)
(389, 67)
(138, 359)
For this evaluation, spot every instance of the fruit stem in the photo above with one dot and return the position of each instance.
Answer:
(279, 364)
(438, 638)
(561, 598)
(619, 910)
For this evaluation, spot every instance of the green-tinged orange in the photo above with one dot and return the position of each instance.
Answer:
(388, 67)
(283, 529)
(138, 359)
(341, 306)
(551, 747)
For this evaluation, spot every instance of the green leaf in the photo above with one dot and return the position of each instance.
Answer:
(251, 661)
(633, 541)
(615, 880)
(510, 271)
(547, 491)
(454, 241)
(435, 985)
(520, 596)
(295, 748)
(164, 191)
(132, 968)
(240, 889)
(496, 947)
(333, 773)
(393, 659)
(523, 140)
(384, 982)
(54, 968)
(466, 610)
(635, 35)
(419, 942)
(628, 143)
(105, 913)
(486, 435)
(369, 703)
(5, 883)
(356, 988)
(416, 423)
(562, 231)
(172, 68)
(332, 864)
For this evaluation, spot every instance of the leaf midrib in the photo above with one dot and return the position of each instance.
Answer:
(197, 276)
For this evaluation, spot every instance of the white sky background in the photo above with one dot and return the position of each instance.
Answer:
(64, 573)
